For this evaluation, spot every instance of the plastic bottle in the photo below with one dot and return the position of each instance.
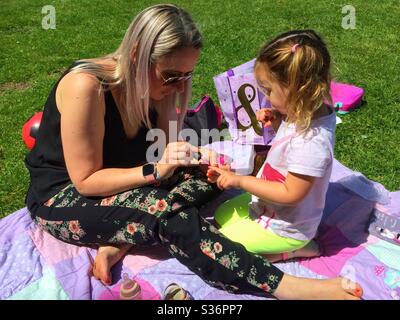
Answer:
(130, 289)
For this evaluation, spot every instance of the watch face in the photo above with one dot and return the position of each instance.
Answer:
(148, 169)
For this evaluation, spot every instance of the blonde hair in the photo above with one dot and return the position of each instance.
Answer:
(304, 70)
(155, 33)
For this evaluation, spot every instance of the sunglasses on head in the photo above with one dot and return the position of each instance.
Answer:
(172, 80)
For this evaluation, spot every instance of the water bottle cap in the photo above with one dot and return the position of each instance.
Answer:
(130, 289)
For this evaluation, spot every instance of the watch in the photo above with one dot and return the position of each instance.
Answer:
(150, 173)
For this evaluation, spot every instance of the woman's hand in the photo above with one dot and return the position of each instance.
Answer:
(208, 156)
(223, 177)
(165, 171)
(175, 155)
(180, 153)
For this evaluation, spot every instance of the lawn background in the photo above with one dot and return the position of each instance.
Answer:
(31, 60)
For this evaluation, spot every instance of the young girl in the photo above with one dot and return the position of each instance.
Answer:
(279, 214)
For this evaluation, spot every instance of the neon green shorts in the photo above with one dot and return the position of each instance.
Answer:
(233, 217)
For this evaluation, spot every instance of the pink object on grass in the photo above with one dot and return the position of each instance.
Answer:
(345, 96)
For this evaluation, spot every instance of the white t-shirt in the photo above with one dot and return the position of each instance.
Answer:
(309, 154)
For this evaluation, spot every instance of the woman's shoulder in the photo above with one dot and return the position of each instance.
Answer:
(82, 78)
(79, 80)
(78, 87)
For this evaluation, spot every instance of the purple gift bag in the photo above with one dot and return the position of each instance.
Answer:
(240, 100)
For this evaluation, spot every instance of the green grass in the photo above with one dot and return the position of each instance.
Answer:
(32, 58)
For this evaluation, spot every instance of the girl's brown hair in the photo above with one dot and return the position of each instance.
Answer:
(304, 70)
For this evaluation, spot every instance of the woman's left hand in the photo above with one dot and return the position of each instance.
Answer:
(225, 179)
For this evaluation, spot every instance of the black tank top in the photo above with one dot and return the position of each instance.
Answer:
(46, 164)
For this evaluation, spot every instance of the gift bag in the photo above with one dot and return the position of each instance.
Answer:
(240, 100)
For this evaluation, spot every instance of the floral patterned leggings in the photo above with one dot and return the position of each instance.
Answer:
(167, 215)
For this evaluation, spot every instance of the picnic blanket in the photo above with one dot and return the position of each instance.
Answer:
(35, 265)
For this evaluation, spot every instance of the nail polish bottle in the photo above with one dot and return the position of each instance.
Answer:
(130, 289)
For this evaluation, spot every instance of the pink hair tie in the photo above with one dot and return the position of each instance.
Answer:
(294, 47)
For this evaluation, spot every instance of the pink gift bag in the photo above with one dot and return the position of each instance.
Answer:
(240, 100)
(345, 97)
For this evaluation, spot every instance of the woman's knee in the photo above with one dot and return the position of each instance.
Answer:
(140, 198)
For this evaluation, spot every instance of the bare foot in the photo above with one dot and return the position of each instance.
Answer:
(106, 258)
(309, 251)
(294, 288)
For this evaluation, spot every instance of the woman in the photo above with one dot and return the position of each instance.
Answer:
(91, 184)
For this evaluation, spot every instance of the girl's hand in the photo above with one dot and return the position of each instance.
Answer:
(224, 178)
(213, 175)
(265, 116)
(269, 117)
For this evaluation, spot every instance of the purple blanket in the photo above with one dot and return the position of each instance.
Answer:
(34, 265)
